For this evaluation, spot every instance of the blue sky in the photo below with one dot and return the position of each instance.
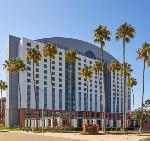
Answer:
(77, 19)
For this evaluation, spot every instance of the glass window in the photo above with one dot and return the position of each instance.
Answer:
(37, 46)
(60, 58)
(60, 53)
(45, 71)
(37, 81)
(28, 44)
(28, 68)
(45, 82)
(60, 64)
(37, 75)
(45, 77)
(45, 66)
(37, 70)
(45, 60)
(28, 74)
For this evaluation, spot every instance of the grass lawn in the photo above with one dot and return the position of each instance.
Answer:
(9, 128)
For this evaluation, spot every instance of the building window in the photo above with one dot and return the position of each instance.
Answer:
(37, 46)
(60, 53)
(60, 80)
(45, 66)
(28, 44)
(60, 64)
(37, 96)
(28, 74)
(37, 81)
(53, 98)
(60, 69)
(28, 68)
(45, 77)
(60, 58)
(37, 70)
(45, 97)
(45, 71)
(45, 82)
(29, 62)
(37, 75)
(28, 80)
(45, 60)
(28, 96)
(60, 99)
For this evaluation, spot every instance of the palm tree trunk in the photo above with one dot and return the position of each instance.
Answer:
(51, 85)
(141, 121)
(36, 110)
(124, 87)
(71, 92)
(115, 100)
(87, 99)
(104, 96)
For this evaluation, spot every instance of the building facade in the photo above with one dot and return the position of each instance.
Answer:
(58, 107)
(2, 110)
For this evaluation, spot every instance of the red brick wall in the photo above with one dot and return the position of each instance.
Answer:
(146, 124)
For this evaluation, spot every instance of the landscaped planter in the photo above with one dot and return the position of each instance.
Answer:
(90, 129)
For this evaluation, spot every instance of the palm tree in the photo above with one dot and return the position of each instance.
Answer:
(131, 81)
(86, 72)
(15, 65)
(102, 34)
(143, 53)
(3, 87)
(70, 58)
(34, 55)
(124, 32)
(50, 51)
(97, 67)
(114, 66)
(125, 70)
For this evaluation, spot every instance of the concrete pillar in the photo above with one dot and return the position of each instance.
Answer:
(59, 120)
(94, 121)
(52, 123)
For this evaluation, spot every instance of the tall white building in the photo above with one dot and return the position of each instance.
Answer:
(55, 107)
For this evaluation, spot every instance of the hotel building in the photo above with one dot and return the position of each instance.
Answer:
(55, 108)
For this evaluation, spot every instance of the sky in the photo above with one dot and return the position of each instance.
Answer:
(77, 19)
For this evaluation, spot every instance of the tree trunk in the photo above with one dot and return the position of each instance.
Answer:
(36, 110)
(141, 121)
(50, 72)
(71, 107)
(115, 99)
(124, 88)
(87, 99)
(104, 94)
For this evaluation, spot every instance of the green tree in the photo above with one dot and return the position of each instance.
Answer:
(86, 72)
(147, 103)
(70, 58)
(124, 32)
(34, 55)
(114, 66)
(143, 53)
(101, 35)
(50, 51)
(131, 81)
